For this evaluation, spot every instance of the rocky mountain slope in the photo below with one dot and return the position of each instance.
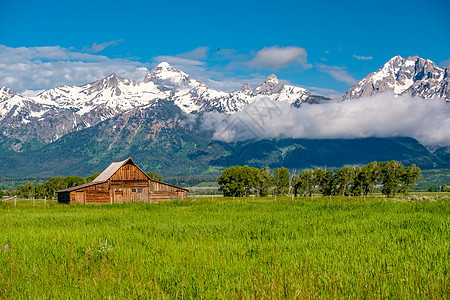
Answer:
(163, 139)
(405, 76)
(35, 121)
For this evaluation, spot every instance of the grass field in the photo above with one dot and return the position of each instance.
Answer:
(343, 248)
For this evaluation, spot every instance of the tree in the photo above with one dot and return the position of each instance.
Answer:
(54, 184)
(251, 177)
(265, 182)
(26, 190)
(391, 177)
(281, 180)
(40, 191)
(92, 177)
(155, 176)
(325, 181)
(305, 182)
(239, 181)
(342, 180)
(408, 177)
(10, 191)
(365, 178)
(72, 181)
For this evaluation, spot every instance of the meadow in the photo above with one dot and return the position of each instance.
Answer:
(308, 249)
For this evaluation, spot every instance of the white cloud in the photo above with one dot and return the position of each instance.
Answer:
(338, 73)
(197, 53)
(445, 63)
(362, 57)
(275, 58)
(35, 68)
(95, 48)
(325, 92)
(382, 115)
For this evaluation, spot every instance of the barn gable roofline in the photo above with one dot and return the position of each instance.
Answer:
(115, 166)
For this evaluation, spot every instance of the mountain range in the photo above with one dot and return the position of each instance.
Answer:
(80, 129)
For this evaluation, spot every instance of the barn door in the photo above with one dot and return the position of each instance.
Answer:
(118, 196)
(79, 197)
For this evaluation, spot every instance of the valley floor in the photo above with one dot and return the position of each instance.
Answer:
(324, 248)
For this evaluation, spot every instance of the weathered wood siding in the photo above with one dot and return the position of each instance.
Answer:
(128, 184)
(128, 172)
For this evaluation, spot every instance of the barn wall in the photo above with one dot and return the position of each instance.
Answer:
(128, 172)
(98, 193)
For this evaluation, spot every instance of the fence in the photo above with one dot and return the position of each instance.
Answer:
(15, 199)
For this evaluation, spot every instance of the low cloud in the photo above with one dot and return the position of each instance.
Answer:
(362, 57)
(36, 68)
(383, 115)
(275, 58)
(338, 73)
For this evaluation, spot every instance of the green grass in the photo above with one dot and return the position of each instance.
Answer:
(343, 248)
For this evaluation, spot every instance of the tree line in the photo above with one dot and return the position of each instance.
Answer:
(392, 177)
(49, 188)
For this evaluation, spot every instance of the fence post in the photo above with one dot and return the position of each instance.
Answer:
(52, 200)
(275, 198)
(45, 200)
(212, 197)
(292, 197)
(253, 196)
(233, 198)
(34, 201)
(15, 198)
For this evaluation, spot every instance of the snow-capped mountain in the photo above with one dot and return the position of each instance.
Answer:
(405, 76)
(64, 109)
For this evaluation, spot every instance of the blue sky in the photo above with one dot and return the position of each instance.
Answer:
(325, 46)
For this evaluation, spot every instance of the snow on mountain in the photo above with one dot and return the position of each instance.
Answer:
(58, 111)
(411, 76)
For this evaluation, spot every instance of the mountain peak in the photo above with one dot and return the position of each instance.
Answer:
(245, 88)
(164, 64)
(4, 90)
(272, 78)
(270, 86)
(413, 76)
(165, 74)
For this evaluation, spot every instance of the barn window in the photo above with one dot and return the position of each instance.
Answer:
(133, 190)
(139, 190)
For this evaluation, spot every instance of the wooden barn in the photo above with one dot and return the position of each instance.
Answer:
(121, 182)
